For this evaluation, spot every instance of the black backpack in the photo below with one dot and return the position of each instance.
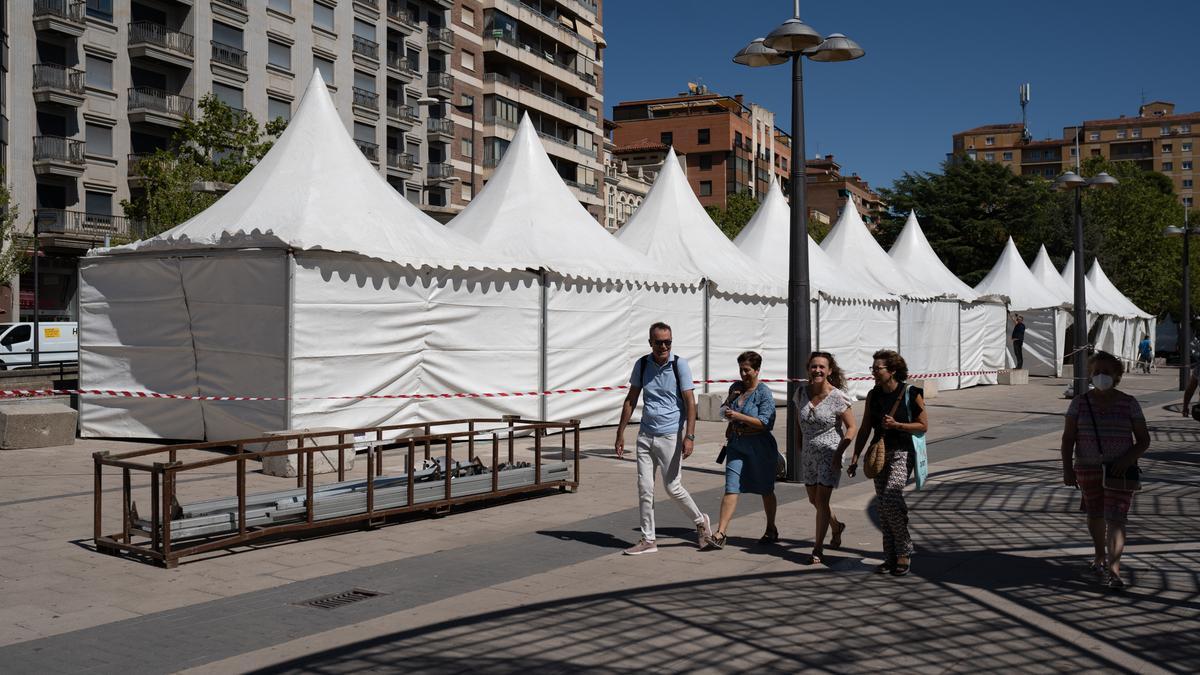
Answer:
(641, 372)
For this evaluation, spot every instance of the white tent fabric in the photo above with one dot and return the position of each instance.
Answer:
(267, 293)
(914, 255)
(1137, 323)
(851, 246)
(1112, 294)
(1043, 270)
(1045, 316)
(983, 339)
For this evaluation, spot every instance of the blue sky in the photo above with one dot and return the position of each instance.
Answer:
(933, 67)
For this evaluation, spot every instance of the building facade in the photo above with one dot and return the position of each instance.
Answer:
(431, 91)
(1157, 139)
(830, 191)
(625, 186)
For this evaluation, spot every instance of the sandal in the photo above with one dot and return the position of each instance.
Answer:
(815, 557)
(1114, 583)
(835, 540)
(1096, 568)
(901, 569)
(885, 568)
(717, 540)
(770, 536)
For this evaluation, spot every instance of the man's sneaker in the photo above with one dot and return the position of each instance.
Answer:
(703, 531)
(641, 547)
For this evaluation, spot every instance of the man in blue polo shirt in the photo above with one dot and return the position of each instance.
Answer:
(667, 434)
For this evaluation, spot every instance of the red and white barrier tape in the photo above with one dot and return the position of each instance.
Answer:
(116, 393)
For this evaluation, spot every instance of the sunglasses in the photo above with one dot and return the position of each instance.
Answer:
(878, 370)
(661, 343)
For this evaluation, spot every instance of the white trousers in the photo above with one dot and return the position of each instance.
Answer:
(664, 453)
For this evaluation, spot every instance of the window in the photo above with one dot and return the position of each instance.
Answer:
(703, 136)
(323, 16)
(468, 148)
(706, 188)
(17, 335)
(1187, 183)
(227, 35)
(1074, 152)
(1121, 133)
(364, 81)
(1167, 147)
(364, 30)
(1094, 136)
(1008, 156)
(1136, 133)
(284, 6)
(784, 163)
(989, 140)
(468, 16)
(230, 96)
(98, 72)
(737, 139)
(706, 162)
(364, 132)
(989, 156)
(1168, 166)
(279, 54)
(666, 138)
(98, 203)
(1185, 147)
(1187, 201)
(1165, 130)
(466, 192)
(468, 60)
(278, 108)
(1185, 128)
(99, 140)
(100, 9)
(1186, 166)
(325, 66)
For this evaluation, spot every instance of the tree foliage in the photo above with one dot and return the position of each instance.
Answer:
(221, 145)
(13, 258)
(739, 209)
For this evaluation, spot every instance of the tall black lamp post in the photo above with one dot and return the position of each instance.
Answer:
(1185, 322)
(793, 40)
(1073, 181)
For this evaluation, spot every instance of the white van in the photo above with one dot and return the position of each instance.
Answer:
(60, 342)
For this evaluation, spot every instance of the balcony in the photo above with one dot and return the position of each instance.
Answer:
(404, 67)
(228, 55)
(369, 150)
(59, 16)
(511, 47)
(118, 229)
(549, 24)
(58, 156)
(364, 49)
(401, 16)
(154, 106)
(236, 4)
(405, 114)
(155, 41)
(439, 171)
(366, 99)
(401, 161)
(560, 106)
(57, 84)
(584, 187)
(441, 83)
(440, 127)
(441, 38)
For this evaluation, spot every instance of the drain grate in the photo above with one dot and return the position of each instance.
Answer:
(335, 600)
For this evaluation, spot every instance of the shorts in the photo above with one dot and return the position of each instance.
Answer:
(1098, 501)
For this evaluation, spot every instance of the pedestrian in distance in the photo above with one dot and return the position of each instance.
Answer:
(1145, 354)
(895, 411)
(666, 436)
(751, 452)
(825, 424)
(1018, 340)
(1190, 389)
(1104, 435)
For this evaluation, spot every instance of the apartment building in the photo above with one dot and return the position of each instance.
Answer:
(96, 84)
(625, 185)
(731, 146)
(830, 191)
(1157, 139)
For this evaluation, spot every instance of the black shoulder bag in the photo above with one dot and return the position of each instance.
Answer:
(1130, 480)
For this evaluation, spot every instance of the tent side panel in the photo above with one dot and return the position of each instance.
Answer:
(588, 338)
(929, 338)
(135, 335)
(737, 323)
(853, 332)
(238, 306)
(1042, 346)
(680, 308)
(774, 349)
(984, 342)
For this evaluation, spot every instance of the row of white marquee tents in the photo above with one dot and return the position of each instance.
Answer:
(317, 292)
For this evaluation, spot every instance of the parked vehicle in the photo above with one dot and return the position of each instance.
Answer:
(59, 343)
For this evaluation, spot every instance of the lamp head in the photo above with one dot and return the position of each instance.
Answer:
(756, 55)
(836, 47)
(429, 100)
(793, 37)
(1069, 181)
(1173, 231)
(1103, 180)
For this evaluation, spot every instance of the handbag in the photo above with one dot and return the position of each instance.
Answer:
(1196, 412)
(876, 455)
(1129, 480)
(920, 457)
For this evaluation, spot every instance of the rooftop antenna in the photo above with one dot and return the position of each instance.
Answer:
(1025, 95)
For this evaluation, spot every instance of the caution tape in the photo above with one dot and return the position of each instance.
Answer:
(117, 393)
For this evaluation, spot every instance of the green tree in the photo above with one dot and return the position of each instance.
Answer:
(14, 259)
(739, 209)
(969, 210)
(222, 145)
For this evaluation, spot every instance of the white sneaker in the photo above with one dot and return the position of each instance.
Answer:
(703, 531)
(643, 546)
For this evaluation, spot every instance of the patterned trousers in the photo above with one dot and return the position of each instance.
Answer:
(893, 511)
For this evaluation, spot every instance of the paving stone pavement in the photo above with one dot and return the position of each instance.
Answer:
(540, 584)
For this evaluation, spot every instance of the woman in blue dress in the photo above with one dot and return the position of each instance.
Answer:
(751, 453)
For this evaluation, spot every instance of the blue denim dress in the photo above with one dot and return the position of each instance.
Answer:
(752, 459)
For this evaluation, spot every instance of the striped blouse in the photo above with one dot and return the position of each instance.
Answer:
(1115, 424)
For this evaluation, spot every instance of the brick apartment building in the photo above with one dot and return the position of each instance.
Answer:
(829, 191)
(1157, 139)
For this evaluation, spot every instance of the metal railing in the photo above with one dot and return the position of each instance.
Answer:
(228, 55)
(369, 150)
(552, 57)
(133, 164)
(443, 80)
(591, 189)
(402, 15)
(69, 10)
(373, 4)
(554, 20)
(403, 64)
(365, 98)
(161, 36)
(364, 47)
(401, 160)
(443, 36)
(58, 149)
(158, 100)
(578, 148)
(240, 4)
(54, 76)
(497, 77)
(402, 112)
(83, 223)
(440, 126)
(439, 170)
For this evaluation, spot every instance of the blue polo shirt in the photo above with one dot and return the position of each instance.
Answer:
(661, 407)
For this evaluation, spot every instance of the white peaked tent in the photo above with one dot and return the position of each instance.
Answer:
(1136, 322)
(1045, 314)
(743, 305)
(311, 278)
(598, 296)
(947, 336)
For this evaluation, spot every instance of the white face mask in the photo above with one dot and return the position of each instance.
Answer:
(1103, 382)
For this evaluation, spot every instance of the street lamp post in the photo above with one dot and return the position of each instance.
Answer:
(1185, 322)
(793, 40)
(1074, 182)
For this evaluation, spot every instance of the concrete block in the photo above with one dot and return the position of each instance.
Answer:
(930, 387)
(708, 406)
(36, 425)
(323, 462)
(1013, 377)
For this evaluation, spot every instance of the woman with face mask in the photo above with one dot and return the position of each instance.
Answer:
(1104, 432)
